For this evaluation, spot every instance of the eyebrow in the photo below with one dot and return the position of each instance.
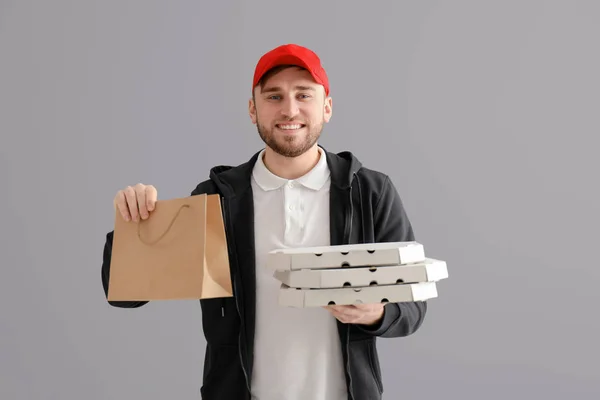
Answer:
(279, 89)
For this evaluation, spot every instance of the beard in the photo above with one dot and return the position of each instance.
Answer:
(290, 145)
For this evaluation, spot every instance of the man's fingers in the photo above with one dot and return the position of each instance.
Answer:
(121, 205)
(132, 203)
(355, 313)
(135, 202)
(151, 196)
(140, 193)
(344, 309)
(345, 313)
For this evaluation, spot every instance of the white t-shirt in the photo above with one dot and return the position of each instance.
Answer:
(297, 352)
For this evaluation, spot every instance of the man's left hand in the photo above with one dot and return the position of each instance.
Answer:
(363, 314)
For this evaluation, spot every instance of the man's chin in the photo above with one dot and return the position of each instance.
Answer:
(289, 149)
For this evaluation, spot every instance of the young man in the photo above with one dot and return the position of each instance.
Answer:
(293, 193)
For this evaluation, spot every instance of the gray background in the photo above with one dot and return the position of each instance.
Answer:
(485, 115)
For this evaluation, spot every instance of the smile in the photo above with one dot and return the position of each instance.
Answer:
(290, 127)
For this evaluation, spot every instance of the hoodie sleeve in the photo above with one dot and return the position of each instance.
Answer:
(392, 225)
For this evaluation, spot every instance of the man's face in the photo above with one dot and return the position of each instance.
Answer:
(290, 111)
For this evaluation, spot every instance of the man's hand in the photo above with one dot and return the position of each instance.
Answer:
(363, 314)
(136, 202)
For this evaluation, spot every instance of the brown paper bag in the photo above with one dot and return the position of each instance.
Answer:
(180, 252)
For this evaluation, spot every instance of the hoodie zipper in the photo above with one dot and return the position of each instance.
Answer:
(235, 296)
(347, 237)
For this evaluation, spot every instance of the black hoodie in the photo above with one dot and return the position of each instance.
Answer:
(365, 207)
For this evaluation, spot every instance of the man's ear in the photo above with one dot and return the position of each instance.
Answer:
(252, 110)
(328, 110)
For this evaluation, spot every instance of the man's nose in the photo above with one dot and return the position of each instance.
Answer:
(289, 108)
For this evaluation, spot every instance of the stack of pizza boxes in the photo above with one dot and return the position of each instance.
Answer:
(355, 274)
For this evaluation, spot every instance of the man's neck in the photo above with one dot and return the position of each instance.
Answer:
(291, 168)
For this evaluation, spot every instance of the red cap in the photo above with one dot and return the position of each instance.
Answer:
(295, 55)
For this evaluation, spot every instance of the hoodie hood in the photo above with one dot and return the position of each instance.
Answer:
(233, 180)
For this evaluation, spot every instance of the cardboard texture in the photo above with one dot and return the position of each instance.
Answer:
(429, 271)
(299, 298)
(355, 274)
(179, 253)
(371, 254)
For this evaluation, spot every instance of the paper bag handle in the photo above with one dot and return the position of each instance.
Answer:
(166, 231)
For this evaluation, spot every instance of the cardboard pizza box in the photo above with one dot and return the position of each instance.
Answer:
(357, 255)
(431, 270)
(303, 298)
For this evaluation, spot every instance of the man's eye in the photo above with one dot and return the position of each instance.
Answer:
(274, 97)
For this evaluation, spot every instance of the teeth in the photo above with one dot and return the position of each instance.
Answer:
(297, 126)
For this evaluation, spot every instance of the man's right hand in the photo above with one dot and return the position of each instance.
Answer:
(135, 202)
